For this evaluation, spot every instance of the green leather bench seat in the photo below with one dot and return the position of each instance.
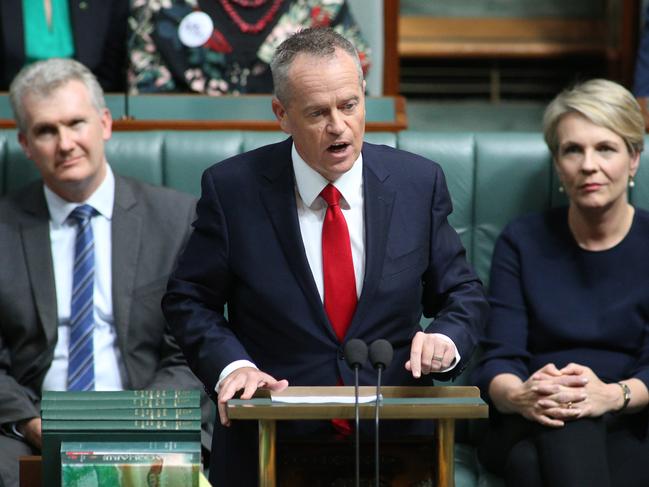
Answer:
(492, 178)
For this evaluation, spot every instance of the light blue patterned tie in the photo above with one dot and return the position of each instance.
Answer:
(81, 368)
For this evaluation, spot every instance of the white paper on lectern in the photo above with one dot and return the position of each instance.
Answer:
(323, 399)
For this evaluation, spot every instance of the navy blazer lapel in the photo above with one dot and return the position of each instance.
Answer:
(126, 229)
(379, 199)
(278, 195)
(35, 231)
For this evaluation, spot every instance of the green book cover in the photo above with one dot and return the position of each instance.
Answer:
(109, 395)
(118, 414)
(121, 425)
(124, 403)
(52, 444)
(130, 464)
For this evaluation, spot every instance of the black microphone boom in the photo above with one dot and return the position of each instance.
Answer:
(380, 356)
(356, 356)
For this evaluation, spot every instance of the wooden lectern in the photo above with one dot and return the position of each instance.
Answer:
(442, 404)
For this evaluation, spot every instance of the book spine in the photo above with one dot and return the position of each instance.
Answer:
(120, 425)
(131, 446)
(180, 402)
(174, 458)
(110, 414)
(106, 395)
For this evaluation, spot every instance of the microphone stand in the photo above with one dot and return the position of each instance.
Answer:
(357, 426)
(376, 424)
(356, 355)
(380, 356)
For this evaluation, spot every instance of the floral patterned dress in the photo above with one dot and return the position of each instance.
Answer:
(229, 62)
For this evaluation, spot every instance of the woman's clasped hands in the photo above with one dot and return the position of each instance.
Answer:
(552, 396)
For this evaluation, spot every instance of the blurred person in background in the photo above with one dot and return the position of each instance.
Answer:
(91, 31)
(218, 47)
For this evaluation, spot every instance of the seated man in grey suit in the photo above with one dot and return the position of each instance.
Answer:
(84, 259)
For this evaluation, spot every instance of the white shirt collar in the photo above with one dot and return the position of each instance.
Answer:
(310, 183)
(101, 200)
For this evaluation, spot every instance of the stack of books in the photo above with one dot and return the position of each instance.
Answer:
(124, 417)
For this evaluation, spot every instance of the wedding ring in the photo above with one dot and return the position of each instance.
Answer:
(438, 358)
(569, 405)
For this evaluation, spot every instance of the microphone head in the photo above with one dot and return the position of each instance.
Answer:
(355, 353)
(381, 353)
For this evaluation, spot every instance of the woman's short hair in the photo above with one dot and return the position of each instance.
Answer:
(43, 77)
(315, 41)
(604, 103)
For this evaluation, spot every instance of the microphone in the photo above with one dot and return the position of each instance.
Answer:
(356, 356)
(380, 356)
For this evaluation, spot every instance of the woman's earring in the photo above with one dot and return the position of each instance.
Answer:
(631, 182)
(561, 189)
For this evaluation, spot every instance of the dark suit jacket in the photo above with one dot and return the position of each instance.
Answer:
(99, 29)
(246, 251)
(149, 227)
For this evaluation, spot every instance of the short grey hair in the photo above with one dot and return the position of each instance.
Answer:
(604, 103)
(320, 42)
(43, 77)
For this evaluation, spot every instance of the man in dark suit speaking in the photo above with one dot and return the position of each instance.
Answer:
(84, 259)
(313, 241)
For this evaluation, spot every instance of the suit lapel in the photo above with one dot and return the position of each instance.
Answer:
(126, 235)
(35, 230)
(278, 196)
(379, 199)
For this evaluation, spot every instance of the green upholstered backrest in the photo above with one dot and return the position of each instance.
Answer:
(513, 177)
(456, 154)
(492, 177)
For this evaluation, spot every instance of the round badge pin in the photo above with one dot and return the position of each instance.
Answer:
(195, 29)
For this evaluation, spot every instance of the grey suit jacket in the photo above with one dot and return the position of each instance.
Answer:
(149, 227)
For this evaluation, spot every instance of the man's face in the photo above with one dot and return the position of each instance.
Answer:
(325, 113)
(65, 137)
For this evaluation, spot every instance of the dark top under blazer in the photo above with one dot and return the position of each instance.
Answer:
(246, 251)
(554, 302)
(99, 30)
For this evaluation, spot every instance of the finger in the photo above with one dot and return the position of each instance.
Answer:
(440, 358)
(548, 370)
(566, 396)
(549, 421)
(431, 356)
(223, 414)
(278, 385)
(415, 354)
(548, 404)
(546, 388)
(250, 387)
(573, 369)
(572, 380)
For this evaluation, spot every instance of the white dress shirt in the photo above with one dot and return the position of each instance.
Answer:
(62, 236)
(311, 210)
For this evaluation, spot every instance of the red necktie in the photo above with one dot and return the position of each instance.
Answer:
(338, 272)
(337, 265)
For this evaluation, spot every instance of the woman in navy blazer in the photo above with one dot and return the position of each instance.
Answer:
(99, 31)
(566, 362)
